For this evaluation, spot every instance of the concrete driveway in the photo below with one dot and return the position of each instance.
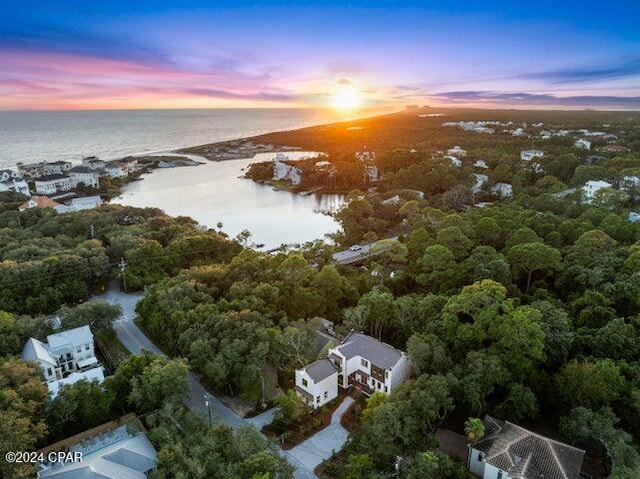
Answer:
(323, 444)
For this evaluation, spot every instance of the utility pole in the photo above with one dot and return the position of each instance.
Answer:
(124, 277)
(92, 232)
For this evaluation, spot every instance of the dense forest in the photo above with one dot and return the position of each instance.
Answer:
(527, 309)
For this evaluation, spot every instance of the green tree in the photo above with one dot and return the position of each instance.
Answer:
(528, 258)
(473, 429)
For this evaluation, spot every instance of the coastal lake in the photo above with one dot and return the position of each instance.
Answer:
(215, 192)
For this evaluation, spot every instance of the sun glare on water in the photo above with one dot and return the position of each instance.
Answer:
(345, 98)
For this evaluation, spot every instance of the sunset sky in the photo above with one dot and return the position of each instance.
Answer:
(188, 54)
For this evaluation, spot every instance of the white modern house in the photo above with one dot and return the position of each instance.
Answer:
(11, 180)
(52, 184)
(582, 144)
(479, 181)
(110, 451)
(453, 160)
(590, 188)
(84, 175)
(508, 451)
(481, 164)
(114, 170)
(457, 151)
(284, 171)
(67, 357)
(503, 190)
(361, 362)
(528, 155)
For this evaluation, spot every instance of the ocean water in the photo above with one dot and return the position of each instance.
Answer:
(30, 136)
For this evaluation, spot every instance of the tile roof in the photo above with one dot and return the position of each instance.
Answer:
(523, 454)
(320, 369)
(41, 202)
(376, 352)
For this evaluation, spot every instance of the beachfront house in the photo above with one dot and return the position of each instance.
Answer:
(38, 202)
(508, 451)
(528, 155)
(94, 163)
(67, 357)
(591, 188)
(503, 190)
(57, 167)
(582, 144)
(283, 171)
(115, 450)
(114, 170)
(52, 184)
(12, 180)
(83, 175)
(456, 151)
(360, 362)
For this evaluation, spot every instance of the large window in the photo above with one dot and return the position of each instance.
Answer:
(304, 383)
(499, 476)
(364, 362)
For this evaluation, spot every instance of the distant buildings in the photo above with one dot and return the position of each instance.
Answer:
(11, 180)
(481, 164)
(518, 132)
(457, 151)
(38, 202)
(326, 167)
(454, 161)
(582, 144)
(508, 451)
(94, 163)
(52, 184)
(591, 188)
(286, 172)
(528, 155)
(361, 362)
(369, 168)
(82, 175)
(614, 149)
(479, 181)
(67, 357)
(116, 450)
(475, 126)
(503, 190)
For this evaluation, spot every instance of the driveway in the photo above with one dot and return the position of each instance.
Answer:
(135, 341)
(325, 443)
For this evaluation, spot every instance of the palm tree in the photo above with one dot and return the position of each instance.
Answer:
(474, 429)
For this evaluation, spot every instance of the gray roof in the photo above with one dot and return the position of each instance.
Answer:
(73, 337)
(376, 352)
(320, 369)
(37, 351)
(51, 178)
(81, 169)
(523, 454)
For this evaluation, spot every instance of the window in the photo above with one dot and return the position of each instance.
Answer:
(326, 394)
(499, 476)
(386, 389)
(48, 371)
(318, 399)
(79, 350)
(386, 374)
(304, 383)
(364, 362)
(480, 456)
(87, 347)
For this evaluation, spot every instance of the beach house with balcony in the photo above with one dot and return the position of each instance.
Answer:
(67, 357)
(52, 184)
(359, 362)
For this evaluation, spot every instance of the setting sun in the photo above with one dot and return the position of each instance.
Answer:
(346, 98)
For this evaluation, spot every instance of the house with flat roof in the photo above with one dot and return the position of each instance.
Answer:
(508, 451)
(116, 450)
(52, 184)
(66, 357)
(360, 362)
(528, 155)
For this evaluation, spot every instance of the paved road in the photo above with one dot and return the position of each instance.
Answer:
(349, 256)
(322, 445)
(135, 341)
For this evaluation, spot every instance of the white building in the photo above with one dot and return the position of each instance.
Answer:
(9, 175)
(66, 357)
(582, 144)
(17, 185)
(360, 361)
(457, 151)
(52, 184)
(84, 175)
(366, 155)
(109, 451)
(481, 164)
(590, 188)
(57, 167)
(286, 172)
(518, 132)
(94, 163)
(527, 155)
(508, 451)
(454, 161)
(503, 190)
(629, 181)
(80, 204)
(370, 173)
(479, 181)
(114, 170)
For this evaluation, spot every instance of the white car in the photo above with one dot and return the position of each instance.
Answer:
(355, 247)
